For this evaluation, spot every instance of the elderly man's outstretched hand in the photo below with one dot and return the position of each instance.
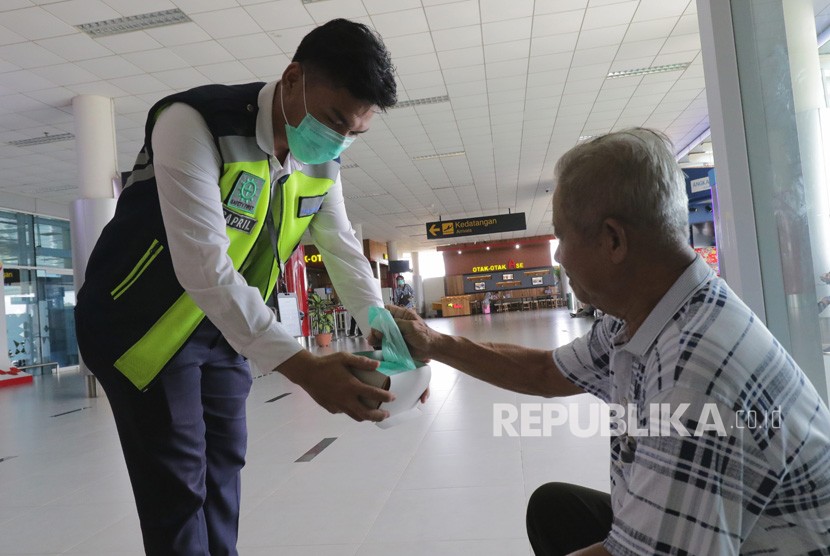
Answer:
(421, 339)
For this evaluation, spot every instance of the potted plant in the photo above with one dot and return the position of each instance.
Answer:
(322, 320)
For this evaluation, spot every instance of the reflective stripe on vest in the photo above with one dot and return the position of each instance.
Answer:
(250, 251)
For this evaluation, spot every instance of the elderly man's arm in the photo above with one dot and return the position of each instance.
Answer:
(593, 550)
(516, 368)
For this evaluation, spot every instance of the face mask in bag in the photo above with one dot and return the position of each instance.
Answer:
(398, 373)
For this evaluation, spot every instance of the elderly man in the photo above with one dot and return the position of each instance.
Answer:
(704, 473)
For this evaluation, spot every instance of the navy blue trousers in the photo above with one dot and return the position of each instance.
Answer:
(184, 441)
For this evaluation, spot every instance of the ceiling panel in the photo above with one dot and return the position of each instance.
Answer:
(396, 24)
(525, 80)
(507, 31)
(35, 23)
(75, 12)
(610, 15)
(282, 14)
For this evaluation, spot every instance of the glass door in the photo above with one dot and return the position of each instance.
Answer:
(23, 320)
(56, 304)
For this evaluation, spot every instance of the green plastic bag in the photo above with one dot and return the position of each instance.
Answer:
(396, 357)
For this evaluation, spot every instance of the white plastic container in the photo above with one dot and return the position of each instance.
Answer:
(406, 385)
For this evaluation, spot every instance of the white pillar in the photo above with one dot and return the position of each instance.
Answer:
(392, 250)
(95, 146)
(418, 284)
(97, 173)
(380, 283)
(565, 289)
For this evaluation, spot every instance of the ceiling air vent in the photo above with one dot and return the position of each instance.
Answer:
(132, 23)
(648, 70)
(421, 101)
(42, 140)
(439, 155)
(364, 195)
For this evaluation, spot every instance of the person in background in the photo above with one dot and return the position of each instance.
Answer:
(587, 310)
(485, 303)
(228, 180)
(403, 296)
(727, 445)
(352, 327)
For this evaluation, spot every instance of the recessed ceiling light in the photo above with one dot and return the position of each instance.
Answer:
(488, 247)
(459, 251)
(421, 101)
(132, 23)
(42, 140)
(585, 137)
(439, 155)
(647, 71)
(517, 246)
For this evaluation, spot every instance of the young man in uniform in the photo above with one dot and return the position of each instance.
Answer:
(228, 180)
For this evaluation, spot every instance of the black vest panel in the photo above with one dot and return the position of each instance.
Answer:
(108, 327)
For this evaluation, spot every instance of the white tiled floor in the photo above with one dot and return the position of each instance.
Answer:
(442, 484)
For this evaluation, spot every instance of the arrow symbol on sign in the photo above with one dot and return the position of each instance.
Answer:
(433, 230)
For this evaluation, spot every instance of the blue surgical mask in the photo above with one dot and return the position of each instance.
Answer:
(313, 142)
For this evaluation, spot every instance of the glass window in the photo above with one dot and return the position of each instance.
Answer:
(431, 264)
(786, 124)
(16, 239)
(39, 306)
(53, 245)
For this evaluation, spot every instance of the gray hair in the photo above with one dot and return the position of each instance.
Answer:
(630, 175)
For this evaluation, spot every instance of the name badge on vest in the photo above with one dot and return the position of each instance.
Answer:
(238, 221)
(245, 193)
(309, 205)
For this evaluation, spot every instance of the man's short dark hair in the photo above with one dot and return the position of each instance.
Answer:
(353, 56)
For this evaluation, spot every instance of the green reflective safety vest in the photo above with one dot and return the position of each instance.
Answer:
(132, 313)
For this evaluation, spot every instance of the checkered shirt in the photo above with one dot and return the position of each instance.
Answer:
(760, 484)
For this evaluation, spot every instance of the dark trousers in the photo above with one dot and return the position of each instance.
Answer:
(352, 327)
(563, 518)
(184, 442)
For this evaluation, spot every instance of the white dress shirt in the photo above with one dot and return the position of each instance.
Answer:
(187, 168)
